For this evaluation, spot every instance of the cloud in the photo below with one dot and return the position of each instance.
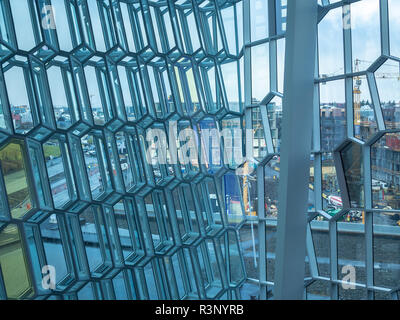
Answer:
(364, 13)
(394, 11)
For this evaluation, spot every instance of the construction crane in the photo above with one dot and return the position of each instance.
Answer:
(357, 94)
(247, 179)
(358, 83)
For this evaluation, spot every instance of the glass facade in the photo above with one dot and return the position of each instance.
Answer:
(140, 149)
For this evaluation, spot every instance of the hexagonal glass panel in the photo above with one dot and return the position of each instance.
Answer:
(54, 249)
(330, 44)
(19, 90)
(232, 77)
(129, 231)
(58, 165)
(385, 165)
(14, 264)
(208, 263)
(364, 116)
(352, 162)
(331, 197)
(388, 83)
(274, 109)
(365, 33)
(259, 142)
(186, 213)
(232, 133)
(97, 87)
(259, 19)
(158, 217)
(332, 113)
(394, 27)
(230, 251)
(271, 187)
(96, 164)
(14, 170)
(320, 236)
(233, 198)
(386, 253)
(259, 72)
(25, 32)
(210, 144)
(62, 94)
(96, 242)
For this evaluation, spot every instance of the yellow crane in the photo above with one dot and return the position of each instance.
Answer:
(357, 94)
(246, 181)
(358, 83)
(246, 192)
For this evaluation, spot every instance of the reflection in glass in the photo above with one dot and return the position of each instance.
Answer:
(233, 198)
(333, 114)
(331, 199)
(364, 116)
(186, 214)
(318, 290)
(352, 230)
(96, 167)
(53, 247)
(259, 143)
(320, 237)
(271, 187)
(386, 249)
(14, 172)
(274, 109)
(57, 162)
(14, 268)
(96, 242)
(385, 168)
(20, 98)
(128, 231)
(158, 216)
(352, 160)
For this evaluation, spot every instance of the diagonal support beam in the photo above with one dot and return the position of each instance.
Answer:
(301, 36)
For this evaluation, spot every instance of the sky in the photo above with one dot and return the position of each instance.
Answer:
(364, 21)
